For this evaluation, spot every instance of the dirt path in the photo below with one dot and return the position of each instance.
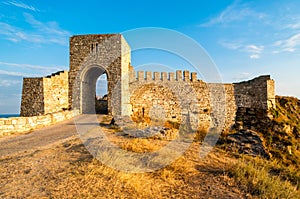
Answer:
(45, 136)
(38, 138)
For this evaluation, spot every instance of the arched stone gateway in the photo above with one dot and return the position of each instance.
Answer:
(92, 56)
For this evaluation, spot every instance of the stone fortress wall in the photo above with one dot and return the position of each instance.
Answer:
(142, 95)
(154, 89)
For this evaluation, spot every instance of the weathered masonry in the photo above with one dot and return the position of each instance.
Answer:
(92, 56)
(144, 96)
(168, 90)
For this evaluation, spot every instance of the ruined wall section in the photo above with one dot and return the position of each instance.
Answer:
(32, 97)
(254, 99)
(256, 93)
(56, 88)
(44, 95)
(271, 97)
(231, 107)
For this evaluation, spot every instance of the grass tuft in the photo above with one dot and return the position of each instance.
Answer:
(257, 177)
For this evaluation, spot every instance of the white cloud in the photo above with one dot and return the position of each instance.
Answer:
(253, 50)
(290, 44)
(48, 32)
(7, 83)
(234, 12)
(21, 5)
(255, 56)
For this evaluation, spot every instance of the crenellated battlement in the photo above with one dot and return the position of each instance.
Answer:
(179, 75)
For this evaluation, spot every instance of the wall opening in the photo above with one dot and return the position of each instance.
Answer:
(93, 83)
(101, 100)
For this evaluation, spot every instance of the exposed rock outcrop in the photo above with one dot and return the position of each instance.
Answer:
(247, 142)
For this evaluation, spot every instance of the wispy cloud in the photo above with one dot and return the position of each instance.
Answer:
(17, 74)
(7, 83)
(51, 28)
(35, 70)
(20, 4)
(234, 12)
(36, 67)
(232, 45)
(254, 51)
(16, 34)
(39, 32)
(254, 32)
(287, 19)
(290, 44)
(255, 56)
(295, 25)
(242, 76)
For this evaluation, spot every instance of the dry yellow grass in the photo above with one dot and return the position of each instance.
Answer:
(257, 177)
(67, 170)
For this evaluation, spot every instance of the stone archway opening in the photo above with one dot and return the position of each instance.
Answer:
(89, 103)
(101, 101)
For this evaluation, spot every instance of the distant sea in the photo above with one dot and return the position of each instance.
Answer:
(9, 115)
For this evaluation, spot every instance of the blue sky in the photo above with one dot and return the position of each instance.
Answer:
(244, 38)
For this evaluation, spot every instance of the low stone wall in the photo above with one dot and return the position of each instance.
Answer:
(13, 125)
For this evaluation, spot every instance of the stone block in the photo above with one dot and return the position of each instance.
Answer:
(141, 76)
(179, 75)
(171, 76)
(186, 75)
(7, 122)
(157, 76)
(149, 76)
(164, 76)
(194, 76)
